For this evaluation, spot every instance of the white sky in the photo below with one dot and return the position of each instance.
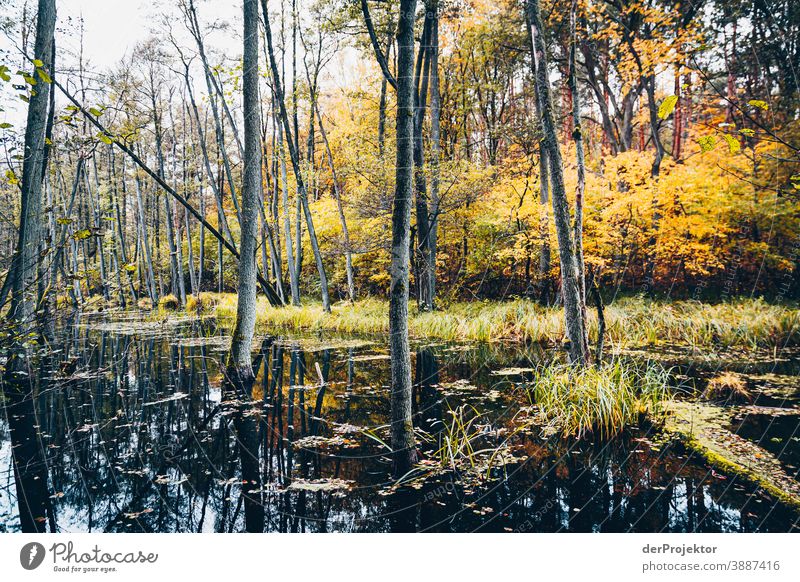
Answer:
(111, 30)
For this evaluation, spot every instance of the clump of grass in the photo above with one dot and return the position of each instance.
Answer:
(575, 401)
(727, 386)
(168, 303)
(200, 303)
(468, 445)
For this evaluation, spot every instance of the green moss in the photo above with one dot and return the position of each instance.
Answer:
(700, 427)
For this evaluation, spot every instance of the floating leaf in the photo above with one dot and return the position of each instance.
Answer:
(667, 106)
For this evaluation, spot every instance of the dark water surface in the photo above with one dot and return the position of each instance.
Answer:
(127, 431)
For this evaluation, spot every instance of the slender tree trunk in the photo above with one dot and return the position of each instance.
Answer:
(570, 287)
(21, 364)
(402, 429)
(435, 139)
(239, 365)
(422, 256)
(294, 155)
(577, 135)
(348, 250)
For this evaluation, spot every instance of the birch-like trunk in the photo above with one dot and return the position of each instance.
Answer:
(570, 287)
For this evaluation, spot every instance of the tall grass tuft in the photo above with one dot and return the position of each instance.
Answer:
(576, 401)
(168, 303)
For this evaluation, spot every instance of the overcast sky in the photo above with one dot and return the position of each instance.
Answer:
(111, 30)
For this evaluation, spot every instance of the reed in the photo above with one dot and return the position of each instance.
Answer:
(630, 322)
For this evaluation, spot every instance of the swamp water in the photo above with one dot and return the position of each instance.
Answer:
(127, 432)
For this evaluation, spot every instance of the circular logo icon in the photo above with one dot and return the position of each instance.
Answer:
(31, 555)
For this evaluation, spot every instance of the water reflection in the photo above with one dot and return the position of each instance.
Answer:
(127, 429)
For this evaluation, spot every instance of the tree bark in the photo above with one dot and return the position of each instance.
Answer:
(570, 287)
(239, 365)
(20, 368)
(294, 155)
(580, 161)
(402, 429)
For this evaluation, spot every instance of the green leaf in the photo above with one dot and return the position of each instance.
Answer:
(11, 177)
(130, 267)
(5, 125)
(44, 76)
(4, 73)
(104, 138)
(96, 112)
(64, 221)
(28, 79)
(758, 103)
(667, 106)
(747, 132)
(25, 98)
(82, 234)
(733, 144)
(38, 63)
(707, 143)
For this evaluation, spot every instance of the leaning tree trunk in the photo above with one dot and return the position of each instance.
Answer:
(402, 431)
(570, 287)
(295, 158)
(239, 364)
(20, 364)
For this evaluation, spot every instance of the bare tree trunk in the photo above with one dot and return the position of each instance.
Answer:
(294, 276)
(422, 255)
(435, 139)
(20, 367)
(294, 155)
(348, 249)
(239, 365)
(570, 288)
(581, 164)
(402, 430)
(544, 195)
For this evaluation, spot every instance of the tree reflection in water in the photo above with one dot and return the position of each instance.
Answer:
(127, 429)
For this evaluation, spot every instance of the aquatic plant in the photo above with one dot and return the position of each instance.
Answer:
(727, 386)
(573, 401)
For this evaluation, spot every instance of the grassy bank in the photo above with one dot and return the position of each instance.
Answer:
(749, 323)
